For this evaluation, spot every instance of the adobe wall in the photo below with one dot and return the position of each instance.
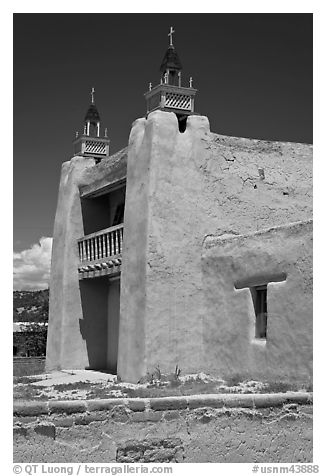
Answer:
(196, 429)
(229, 323)
(65, 345)
(132, 341)
(182, 187)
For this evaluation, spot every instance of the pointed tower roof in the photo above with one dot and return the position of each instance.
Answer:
(171, 60)
(92, 114)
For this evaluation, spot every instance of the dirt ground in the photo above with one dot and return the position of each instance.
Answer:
(87, 384)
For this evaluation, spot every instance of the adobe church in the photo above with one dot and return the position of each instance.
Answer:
(185, 248)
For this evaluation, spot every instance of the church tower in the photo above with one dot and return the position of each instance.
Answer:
(90, 143)
(170, 95)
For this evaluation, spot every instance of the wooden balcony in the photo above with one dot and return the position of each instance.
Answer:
(100, 253)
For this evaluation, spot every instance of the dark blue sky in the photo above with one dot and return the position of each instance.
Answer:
(253, 73)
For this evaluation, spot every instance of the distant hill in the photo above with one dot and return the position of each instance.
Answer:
(31, 306)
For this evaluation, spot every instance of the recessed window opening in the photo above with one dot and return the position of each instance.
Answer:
(259, 294)
(118, 215)
(182, 121)
(258, 288)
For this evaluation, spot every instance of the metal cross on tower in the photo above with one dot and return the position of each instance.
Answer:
(92, 95)
(170, 35)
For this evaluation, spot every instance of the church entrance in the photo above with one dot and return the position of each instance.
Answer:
(99, 327)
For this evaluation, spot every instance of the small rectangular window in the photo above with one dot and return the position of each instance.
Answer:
(259, 294)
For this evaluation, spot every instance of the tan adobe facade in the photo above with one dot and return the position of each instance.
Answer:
(185, 248)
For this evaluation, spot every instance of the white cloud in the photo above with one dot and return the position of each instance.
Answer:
(32, 266)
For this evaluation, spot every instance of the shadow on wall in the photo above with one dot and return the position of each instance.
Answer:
(94, 325)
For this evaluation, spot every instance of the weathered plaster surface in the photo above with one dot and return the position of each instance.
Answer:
(132, 353)
(194, 184)
(65, 346)
(229, 323)
(202, 435)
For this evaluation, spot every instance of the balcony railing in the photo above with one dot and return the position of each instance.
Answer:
(100, 251)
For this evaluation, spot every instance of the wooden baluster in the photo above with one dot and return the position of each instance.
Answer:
(84, 250)
(119, 240)
(79, 253)
(107, 245)
(96, 247)
(111, 243)
(92, 248)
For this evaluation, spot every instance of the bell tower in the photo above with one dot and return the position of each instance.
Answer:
(170, 95)
(90, 143)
